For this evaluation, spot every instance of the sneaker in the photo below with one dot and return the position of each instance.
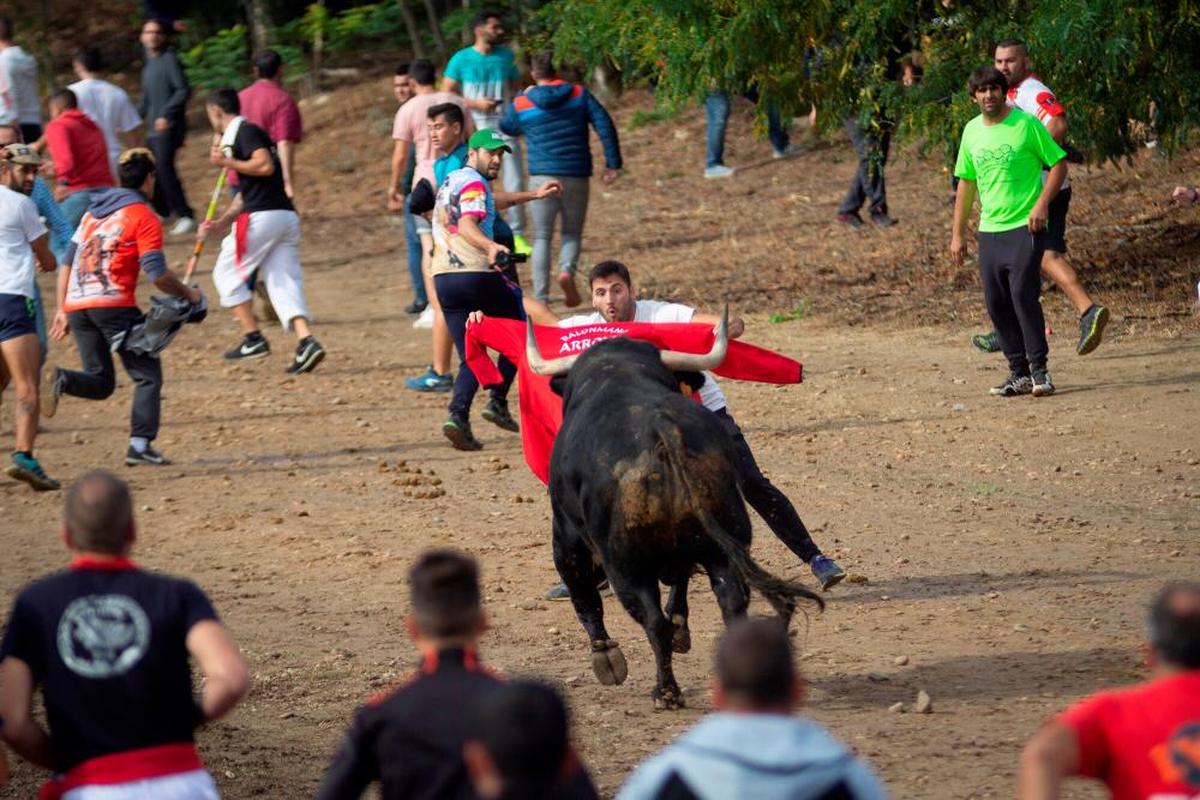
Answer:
(986, 342)
(1091, 329)
(718, 171)
(309, 353)
(521, 245)
(826, 571)
(147, 457)
(430, 381)
(250, 347)
(496, 412)
(570, 292)
(415, 307)
(51, 390)
(458, 431)
(786, 152)
(425, 320)
(1014, 386)
(26, 468)
(183, 226)
(882, 220)
(852, 219)
(1042, 385)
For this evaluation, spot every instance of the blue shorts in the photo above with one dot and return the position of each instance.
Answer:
(16, 316)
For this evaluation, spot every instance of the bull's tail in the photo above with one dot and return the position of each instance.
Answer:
(782, 594)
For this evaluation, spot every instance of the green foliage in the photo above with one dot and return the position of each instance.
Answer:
(641, 119)
(796, 313)
(222, 59)
(354, 29)
(1105, 59)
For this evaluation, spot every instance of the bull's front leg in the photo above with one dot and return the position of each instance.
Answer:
(577, 568)
(677, 610)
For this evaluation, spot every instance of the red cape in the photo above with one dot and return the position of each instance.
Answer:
(541, 408)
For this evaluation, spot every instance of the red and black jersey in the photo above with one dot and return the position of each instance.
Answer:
(106, 641)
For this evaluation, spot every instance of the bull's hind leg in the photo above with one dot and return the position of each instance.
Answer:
(643, 604)
(677, 610)
(579, 572)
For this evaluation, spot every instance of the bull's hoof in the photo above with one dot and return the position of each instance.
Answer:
(681, 642)
(608, 662)
(669, 698)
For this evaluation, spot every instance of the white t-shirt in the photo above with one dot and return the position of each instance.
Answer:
(19, 225)
(19, 99)
(657, 311)
(1034, 97)
(110, 108)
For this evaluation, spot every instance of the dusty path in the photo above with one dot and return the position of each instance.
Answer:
(1009, 547)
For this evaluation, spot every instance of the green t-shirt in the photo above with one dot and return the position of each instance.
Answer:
(1006, 162)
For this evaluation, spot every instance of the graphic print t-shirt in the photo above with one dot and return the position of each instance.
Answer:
(105, 271)
(1143, 742)
(107, 646)
(465, 193)
(1006, 162)
(259, 193)
(1034, 97)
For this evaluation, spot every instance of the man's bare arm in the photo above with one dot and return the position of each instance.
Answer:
(287, 160)
(1051, 755)
(736, 325)
(226, 678)
(21, 731)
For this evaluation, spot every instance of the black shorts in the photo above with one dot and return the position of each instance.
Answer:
(1055, 237)
(16, 316)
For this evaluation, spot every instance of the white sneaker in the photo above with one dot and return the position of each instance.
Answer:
(718, 171)
(425, 320)
(183, 226)
(786, 152)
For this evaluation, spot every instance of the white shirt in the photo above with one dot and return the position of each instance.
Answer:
(657, 311)
(19, 225)
(19, 99)
(110, 108)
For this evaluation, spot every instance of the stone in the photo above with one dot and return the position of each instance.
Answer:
(896, 708)
(900, 661)
(924, 703)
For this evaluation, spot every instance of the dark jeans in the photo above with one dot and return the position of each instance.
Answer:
(868, 184)
(763, 496)
(716, 114)
(413, 249)
(93, 329)
(1010, 267)
(460, 294)
(169, 198)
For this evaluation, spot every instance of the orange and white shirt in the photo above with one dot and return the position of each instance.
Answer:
(110, 249)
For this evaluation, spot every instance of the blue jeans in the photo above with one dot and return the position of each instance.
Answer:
(413, 243)
(75, 206)
(716, 114)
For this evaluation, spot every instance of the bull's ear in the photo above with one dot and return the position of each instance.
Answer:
(558, 384)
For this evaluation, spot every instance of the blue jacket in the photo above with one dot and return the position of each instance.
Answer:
(554, 119)
(755, 757)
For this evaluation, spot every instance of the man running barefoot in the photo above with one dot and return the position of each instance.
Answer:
(264, 244)
(23, 239)
(1027, 92)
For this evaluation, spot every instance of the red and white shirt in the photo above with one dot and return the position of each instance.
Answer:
(1034, 97)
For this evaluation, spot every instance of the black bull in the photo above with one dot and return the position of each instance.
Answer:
(643, 488)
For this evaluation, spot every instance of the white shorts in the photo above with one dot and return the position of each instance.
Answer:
(272, 256)
(194, 785)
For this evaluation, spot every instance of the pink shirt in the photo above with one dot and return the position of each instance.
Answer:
(268, 106)
(412, 125)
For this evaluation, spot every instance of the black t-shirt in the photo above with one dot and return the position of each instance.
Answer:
(107, 645)
(259, 194)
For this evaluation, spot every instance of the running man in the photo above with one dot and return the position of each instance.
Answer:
(23, 240)
(119, 237)
(265, 242)
(1001, 156)
(1027, 92)
(109, 644)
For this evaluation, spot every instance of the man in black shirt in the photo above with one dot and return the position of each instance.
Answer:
(109, 645)
(265, 241)
(411, 738)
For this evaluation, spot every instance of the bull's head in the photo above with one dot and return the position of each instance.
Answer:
(672, 360)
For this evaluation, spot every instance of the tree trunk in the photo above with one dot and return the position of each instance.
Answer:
(414, 33)
(318, 52)
(260, 23)
(435, 27)
(468, 34)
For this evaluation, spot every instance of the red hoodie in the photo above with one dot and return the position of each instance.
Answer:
(541, 408)
(79, 152)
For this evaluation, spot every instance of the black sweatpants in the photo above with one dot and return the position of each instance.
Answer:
(459, 295)
(93, 329)
(169, 197)
(1010, 267)
(763, 496)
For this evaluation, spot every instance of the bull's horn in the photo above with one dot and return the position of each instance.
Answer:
(693, 362)
(541, 366)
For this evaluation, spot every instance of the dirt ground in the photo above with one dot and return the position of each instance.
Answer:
(1006, 548)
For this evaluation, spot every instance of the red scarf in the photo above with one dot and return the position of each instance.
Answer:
(541, 408)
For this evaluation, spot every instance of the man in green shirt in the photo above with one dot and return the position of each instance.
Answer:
(1002, 155)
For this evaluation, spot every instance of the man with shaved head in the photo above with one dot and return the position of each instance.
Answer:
(108, 644)
(1142, 741)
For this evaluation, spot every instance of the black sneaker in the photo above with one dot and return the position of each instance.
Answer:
(309, 353)
(852, 219)
(1042, 385)
(458, 431)
(496, 412)
(51, 390)
(147, 457)
(1015, 385)
(252, 346)
(1091, 329)
(882, 220)
(414, 308)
